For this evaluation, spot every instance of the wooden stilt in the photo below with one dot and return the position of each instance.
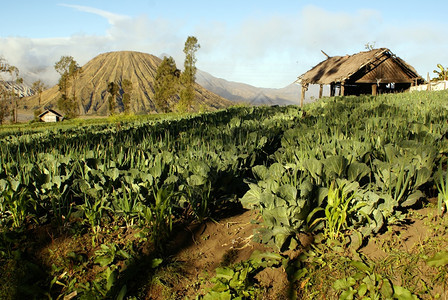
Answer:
(374, 89)
(321, 89)
(304, 88)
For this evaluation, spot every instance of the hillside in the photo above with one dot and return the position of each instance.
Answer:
(241, 92)
(91, 85)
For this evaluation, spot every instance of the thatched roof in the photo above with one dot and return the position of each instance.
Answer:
(374, 66)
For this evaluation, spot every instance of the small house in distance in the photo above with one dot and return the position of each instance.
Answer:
(50, 115)
(368, 72)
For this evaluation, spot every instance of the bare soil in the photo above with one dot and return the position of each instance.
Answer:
(229, 241)
(203, 248)
(195, 252)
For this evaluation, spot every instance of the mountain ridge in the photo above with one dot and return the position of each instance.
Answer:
(20, 89)
(245, 93)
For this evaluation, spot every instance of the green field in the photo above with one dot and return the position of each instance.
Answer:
(342, 170)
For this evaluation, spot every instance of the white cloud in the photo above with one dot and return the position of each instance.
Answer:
(269, 52)
(274, 51)
(111, 17)
(35, 58)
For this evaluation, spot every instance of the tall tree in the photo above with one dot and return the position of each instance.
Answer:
(188, 77)
(4, 109)
(126, 86)
(38, 87)
(68, 68)
(166, 82)
(14, 96)
(63, 68)
(112, 89)
(4, 94)
(74, 71)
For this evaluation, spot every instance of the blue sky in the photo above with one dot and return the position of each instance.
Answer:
(262, 43)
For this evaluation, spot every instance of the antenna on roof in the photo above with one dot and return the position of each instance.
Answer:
(328, 56)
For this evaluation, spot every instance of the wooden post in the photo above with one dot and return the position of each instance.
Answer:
(374, 89)
(303, 95)
(321, 89)
(342, 88)
(332, 89)
(328, 56)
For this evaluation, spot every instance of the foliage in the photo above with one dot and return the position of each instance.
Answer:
(284, 202)
(10, 98)
(324, 270)
(190, 49)
(389, 167)
(4, 108)
(64, 67)
(304, 169)
(166, 84)
(68, 69)
(188, 76)
(16, 203)
(38, 87)
(439, 259)
(368, 284)
(186, 99)
(68, 106)
(441, 73)
(112, 89)
(158, 214)
(339, 209)
(37, 113)
(147, 174)
(237, 281)
(126, 86)
(441, 180)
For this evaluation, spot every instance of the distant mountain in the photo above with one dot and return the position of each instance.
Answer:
(20, 89)
(241, 92)
(90, 86)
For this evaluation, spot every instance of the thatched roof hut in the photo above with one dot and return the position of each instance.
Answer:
(50, 115)
(362, 73)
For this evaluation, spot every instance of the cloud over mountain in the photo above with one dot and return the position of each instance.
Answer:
(261, 50)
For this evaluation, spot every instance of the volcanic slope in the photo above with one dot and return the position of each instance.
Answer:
(90, 86)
